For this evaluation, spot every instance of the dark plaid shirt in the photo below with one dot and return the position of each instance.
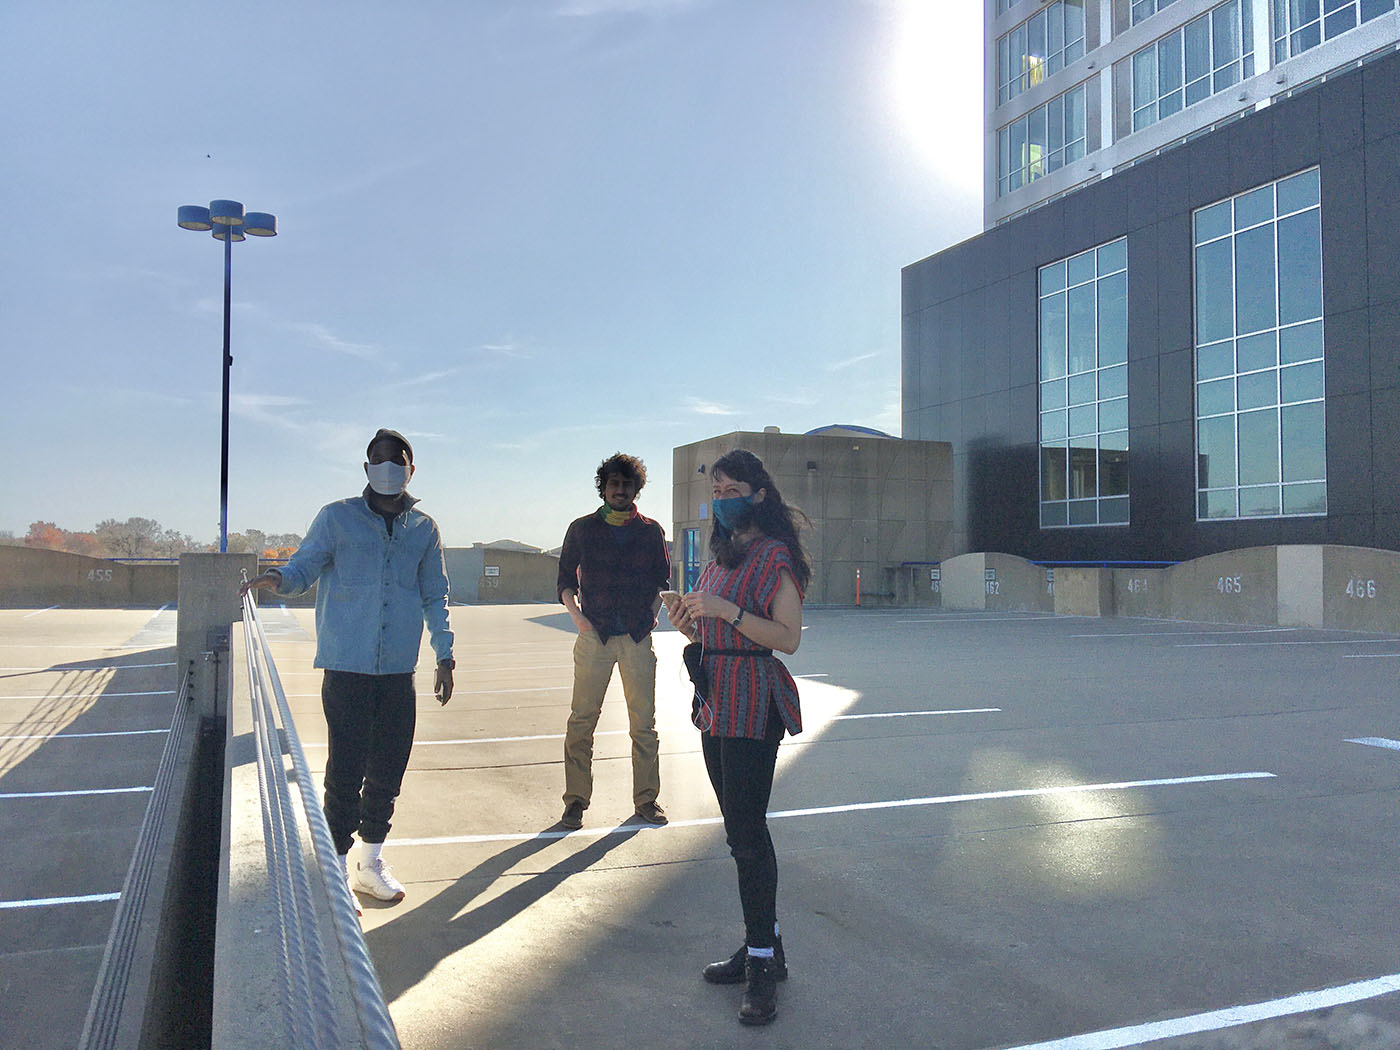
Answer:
(617, 571)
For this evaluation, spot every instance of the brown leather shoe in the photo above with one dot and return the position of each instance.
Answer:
(573, 816)
(652, 813)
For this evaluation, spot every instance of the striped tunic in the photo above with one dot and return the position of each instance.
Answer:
(742, 687)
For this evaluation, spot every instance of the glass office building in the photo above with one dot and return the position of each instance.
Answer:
(1180, 330)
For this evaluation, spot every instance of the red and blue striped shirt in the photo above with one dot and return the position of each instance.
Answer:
(742, 687)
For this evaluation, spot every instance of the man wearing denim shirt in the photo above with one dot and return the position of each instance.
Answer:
(380, 575)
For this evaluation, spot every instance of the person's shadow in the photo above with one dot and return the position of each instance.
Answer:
(399, 942)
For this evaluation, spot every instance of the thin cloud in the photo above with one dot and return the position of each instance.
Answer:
(708, 408)
(552, 437)
(320, 336)
(836, 366)
(426, 377)
(129, 395)
(504, 350)
(593, 8)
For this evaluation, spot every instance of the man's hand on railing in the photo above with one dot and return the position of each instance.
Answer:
(442, 680)
(271, 578)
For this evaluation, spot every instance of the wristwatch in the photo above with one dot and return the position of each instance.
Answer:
(738, 618)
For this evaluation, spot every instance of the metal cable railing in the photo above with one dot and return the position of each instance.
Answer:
(105, 1010)
(310, 1016)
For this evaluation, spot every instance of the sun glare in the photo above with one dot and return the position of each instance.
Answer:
(937, 86)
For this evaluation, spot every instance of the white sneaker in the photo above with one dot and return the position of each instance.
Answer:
(350, 883)
(376, 879)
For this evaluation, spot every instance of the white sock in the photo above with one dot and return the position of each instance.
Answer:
(370, 852)
(345, 864)
(761, 953)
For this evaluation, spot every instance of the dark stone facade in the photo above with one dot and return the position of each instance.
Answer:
(970, 356)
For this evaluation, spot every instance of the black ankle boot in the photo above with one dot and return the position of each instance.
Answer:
(760, 1003)
(731, 970)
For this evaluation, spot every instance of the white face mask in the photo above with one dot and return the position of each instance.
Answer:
(387, 479)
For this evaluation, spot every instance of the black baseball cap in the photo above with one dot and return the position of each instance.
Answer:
(391, 435)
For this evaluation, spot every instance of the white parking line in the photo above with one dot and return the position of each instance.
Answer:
(1169, 634)
(89, 667)
(1370, 656)
(912, 714)
(678, 726)
(939, 800)
(36, 612)
(993, 619)
(89, 696)
(68, 736)
(1230, 1017)
(45, 902)
(62, 794)
(1301, 641)
(1377, 741)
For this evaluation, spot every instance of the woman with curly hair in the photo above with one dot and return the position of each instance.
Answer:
(747, 603)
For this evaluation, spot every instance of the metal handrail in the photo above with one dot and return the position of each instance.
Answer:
(306, 993)
(104, 1018)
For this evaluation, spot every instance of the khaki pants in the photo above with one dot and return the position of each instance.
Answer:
(593, 666)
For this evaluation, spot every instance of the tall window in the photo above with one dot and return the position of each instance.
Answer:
(1303, 24)
(1260, 421)
(1206, 55)
(1146, 8)
(1044, 140)
(1039, 47)
(1084, 388)
(692, 560)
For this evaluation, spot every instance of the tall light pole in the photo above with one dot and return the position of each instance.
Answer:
(229, 223)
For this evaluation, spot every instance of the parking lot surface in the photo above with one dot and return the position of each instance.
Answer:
(998, 830)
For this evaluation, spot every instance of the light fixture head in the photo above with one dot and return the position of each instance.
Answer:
(260, 224)
(230, 213)
(224, 232)
(193, 217)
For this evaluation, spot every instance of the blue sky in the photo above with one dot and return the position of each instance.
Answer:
(527, 234)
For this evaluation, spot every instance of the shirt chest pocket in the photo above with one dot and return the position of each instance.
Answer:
(360, 564)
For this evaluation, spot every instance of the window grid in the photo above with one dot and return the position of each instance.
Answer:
(1260, 390)
(1147, 8)
(1039, 47)
(1206, 55)
(1301, 25)
(1044, 140)
(1083, 324)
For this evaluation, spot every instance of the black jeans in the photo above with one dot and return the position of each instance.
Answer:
(741, 772)
(369, 721)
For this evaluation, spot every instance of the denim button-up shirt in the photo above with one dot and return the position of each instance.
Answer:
(374, 590)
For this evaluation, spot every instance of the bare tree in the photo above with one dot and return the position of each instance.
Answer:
(133, 538)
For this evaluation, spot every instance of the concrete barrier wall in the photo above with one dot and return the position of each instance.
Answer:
(1360, 588)
(1233, 587)
(1142, 592)
(520, 576)
(33, 578)
(996, 582)
(1079, 591)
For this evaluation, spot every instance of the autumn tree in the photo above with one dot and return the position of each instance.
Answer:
(45, 535)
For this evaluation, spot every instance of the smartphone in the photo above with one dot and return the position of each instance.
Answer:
(670, 598)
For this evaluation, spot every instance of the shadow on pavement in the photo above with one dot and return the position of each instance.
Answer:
(402, 939)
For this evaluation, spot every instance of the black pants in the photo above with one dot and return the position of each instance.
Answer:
(741, 772)
(369, 722)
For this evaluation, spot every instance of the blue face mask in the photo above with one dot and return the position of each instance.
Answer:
(734, 513)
